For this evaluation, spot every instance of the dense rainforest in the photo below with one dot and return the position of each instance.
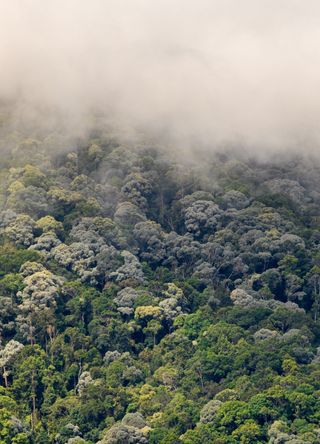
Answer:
(146, 299)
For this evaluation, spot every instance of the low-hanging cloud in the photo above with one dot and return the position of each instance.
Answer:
(213, 72)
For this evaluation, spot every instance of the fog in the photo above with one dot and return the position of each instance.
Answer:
(208, 73)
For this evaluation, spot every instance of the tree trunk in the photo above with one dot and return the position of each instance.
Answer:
(33, 396)
(5, 377)
(31, 332)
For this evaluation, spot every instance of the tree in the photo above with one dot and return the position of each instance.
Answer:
(21, 230)
(7, 357)
(38, 301)
(123, 434)
(28, 386)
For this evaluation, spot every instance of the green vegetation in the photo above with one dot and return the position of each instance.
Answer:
(145, 301)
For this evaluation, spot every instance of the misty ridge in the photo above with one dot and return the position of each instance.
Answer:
(159, 222)
(207, 75)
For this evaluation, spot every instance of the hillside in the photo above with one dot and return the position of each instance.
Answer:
(147, 300)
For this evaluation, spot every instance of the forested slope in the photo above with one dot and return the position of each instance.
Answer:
(147, 300)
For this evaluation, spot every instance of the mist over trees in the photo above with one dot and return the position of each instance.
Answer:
(197, 74)
(159, 222)
(149, 300)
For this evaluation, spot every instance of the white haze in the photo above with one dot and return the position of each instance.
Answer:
(202, 72)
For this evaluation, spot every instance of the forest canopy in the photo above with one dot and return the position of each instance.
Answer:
(149, 300)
